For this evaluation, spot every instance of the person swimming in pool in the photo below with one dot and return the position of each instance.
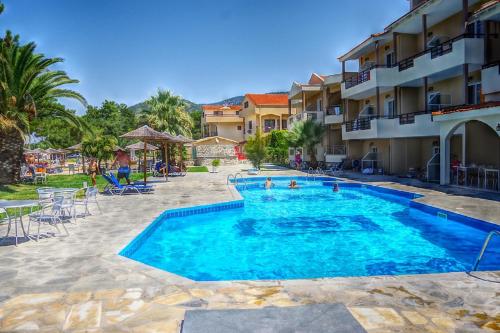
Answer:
(335, 187)
(293, 184)
(268, 184)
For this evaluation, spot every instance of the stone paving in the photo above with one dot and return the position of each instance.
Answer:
(80, 284)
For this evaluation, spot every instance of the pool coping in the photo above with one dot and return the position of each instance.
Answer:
(132, 246)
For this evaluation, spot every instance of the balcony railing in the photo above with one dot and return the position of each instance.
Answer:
(439, 50)
(334, 110)
(359, 78)
(409, 118)
(336, 150)
(358, 124)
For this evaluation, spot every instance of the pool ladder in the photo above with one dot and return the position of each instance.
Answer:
(485, 245)
(235, 179)
(312, 173)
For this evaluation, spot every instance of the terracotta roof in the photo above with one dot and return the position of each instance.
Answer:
(268, 99)
(220, 107)
(465, 108)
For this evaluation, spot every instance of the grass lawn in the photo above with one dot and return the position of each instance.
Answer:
(202, 168)
(28, 191)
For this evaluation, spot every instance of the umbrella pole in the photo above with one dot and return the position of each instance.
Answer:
(144, 162)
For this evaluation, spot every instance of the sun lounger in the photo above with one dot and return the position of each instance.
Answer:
(114, 186)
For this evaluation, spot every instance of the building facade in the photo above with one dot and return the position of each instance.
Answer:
(426, 93)
(439, 59)
(265, 112)
(223, 121)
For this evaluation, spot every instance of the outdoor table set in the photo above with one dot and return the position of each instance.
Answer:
(472, 175)
(53, 204)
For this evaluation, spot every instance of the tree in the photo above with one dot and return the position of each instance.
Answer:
(29, 90)
(255, 149)
(100, 147)
(167, 112)
(307, 134)
(111, 119)
(196, 129)
(277, 149)
(55, 133)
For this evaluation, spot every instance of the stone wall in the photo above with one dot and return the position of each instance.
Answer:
(215, 151)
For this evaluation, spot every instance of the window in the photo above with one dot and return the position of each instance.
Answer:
(284, 124)
(389, 59)
(374, 150)
(237, 113)
(245, 105)
(238, 127)
(389, 109)
(269, 125)
(218, 113)
(250, 124)
(474, 93)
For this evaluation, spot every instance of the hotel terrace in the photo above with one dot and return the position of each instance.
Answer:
(427, 91)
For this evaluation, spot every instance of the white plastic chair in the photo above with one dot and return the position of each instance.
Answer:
(49, 213)
(40, 176)
(44, 196)
(65, 203)
(90, 197)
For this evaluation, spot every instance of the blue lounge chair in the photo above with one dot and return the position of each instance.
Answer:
(114, 186)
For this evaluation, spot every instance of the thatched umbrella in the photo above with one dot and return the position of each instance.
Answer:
(147, 134)
(138, 146)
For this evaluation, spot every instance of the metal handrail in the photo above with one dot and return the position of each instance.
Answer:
(241, 177)
(485, 245)
(229, 177)
(310, 173)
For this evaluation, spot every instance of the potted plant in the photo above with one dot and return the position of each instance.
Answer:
(215, 165)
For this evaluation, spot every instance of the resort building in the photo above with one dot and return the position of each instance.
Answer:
(319, 99)
(223, 121)
(400, 109)
(266, 112)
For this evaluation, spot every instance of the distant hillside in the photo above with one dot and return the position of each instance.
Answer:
(191, 106)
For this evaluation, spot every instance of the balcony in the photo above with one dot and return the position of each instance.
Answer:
(416, 124)
(490, 76)
(335, 153)
(222, 118)
(364, 83)
(334, 115)
(306, 115)
(463, 49)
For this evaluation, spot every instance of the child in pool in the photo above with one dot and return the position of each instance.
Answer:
(293, 185)
(268, 184)
(335, 187)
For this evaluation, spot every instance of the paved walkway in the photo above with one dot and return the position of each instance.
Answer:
(79, 283)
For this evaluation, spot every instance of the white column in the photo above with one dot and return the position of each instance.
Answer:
(444, 157)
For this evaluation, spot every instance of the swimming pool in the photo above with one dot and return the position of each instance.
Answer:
(312, 232)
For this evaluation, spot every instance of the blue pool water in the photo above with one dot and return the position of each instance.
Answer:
(313, 232)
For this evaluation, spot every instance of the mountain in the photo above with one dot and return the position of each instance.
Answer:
(192, 106)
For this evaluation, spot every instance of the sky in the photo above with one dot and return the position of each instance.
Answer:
(203, 50)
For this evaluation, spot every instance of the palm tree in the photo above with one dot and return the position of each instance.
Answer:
(29, 89)
(307, 134)
(167, 112)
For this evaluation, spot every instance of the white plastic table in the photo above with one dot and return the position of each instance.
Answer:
(17, 206)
